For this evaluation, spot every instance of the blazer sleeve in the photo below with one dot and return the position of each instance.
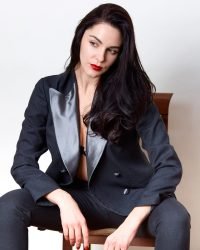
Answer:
(162, 156)
(31, 145)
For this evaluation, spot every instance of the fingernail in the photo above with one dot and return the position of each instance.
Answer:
(86, 248)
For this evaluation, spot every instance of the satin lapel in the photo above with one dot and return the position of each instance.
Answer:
(64, 112)
(94, 148)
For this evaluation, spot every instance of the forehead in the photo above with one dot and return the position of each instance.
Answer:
(107, 34)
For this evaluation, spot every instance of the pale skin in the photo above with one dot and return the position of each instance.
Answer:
(100, 46)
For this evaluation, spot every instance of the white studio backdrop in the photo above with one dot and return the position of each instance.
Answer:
(35, 42)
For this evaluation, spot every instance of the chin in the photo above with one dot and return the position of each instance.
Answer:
(94, 74)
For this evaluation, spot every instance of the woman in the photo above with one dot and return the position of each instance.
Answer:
(90, 118)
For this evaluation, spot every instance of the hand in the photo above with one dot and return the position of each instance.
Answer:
(121, 238)
(124, 234)
(73, 222)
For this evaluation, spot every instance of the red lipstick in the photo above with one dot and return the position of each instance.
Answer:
(95, 67)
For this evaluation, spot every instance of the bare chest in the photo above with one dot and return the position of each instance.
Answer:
(84, 108)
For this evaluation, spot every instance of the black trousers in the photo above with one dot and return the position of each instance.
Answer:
(169, 222)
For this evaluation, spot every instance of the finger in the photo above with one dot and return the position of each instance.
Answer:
(71, 236)
(113, 246)
(105, 246)
(66, 233)
(117, 247)
(85, 234)
(109, 244)
(78, 237)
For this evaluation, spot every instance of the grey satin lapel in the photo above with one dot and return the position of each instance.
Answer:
(64, 112)
(95, 148)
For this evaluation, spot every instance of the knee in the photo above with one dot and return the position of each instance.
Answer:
(13, 199)
(178, 221)
(15, 203)
(176, 217)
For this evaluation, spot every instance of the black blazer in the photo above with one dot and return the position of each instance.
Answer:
(119, 176)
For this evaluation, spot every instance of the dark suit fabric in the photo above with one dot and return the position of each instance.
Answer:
(119, 176)
(169, 222)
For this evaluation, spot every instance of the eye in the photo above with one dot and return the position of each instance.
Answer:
(94, 44)
(113, 51)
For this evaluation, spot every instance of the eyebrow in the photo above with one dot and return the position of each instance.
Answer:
(113, 47)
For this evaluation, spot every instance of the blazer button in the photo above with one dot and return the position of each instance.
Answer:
(116, 174)
(62, 171)
(126, 191)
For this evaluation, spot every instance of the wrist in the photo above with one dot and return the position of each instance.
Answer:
(58, 197)
(138, 214)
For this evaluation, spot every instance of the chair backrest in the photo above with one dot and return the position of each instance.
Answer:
(162, 101)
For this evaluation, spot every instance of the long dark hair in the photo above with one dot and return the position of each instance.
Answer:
(125, 90)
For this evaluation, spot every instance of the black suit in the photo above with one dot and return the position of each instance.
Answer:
(120, 176)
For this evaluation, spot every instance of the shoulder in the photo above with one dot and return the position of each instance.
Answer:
(61, 82)
(52, 81)
(54, 78)
(151, 120)
(151, 113)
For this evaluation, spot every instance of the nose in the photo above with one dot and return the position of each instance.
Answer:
(101, 55)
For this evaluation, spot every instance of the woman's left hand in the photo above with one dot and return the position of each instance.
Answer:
(121, 238)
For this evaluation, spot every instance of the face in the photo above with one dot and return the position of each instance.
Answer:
(100, 46)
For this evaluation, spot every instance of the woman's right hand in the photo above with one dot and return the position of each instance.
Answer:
(73, 222)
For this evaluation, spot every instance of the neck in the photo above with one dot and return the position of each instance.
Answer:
(85, 83)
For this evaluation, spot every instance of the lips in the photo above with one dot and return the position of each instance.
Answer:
(95, 67)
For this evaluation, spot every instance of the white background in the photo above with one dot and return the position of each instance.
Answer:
(35, 38)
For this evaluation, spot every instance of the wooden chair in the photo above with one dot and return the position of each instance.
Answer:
(162, 101)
